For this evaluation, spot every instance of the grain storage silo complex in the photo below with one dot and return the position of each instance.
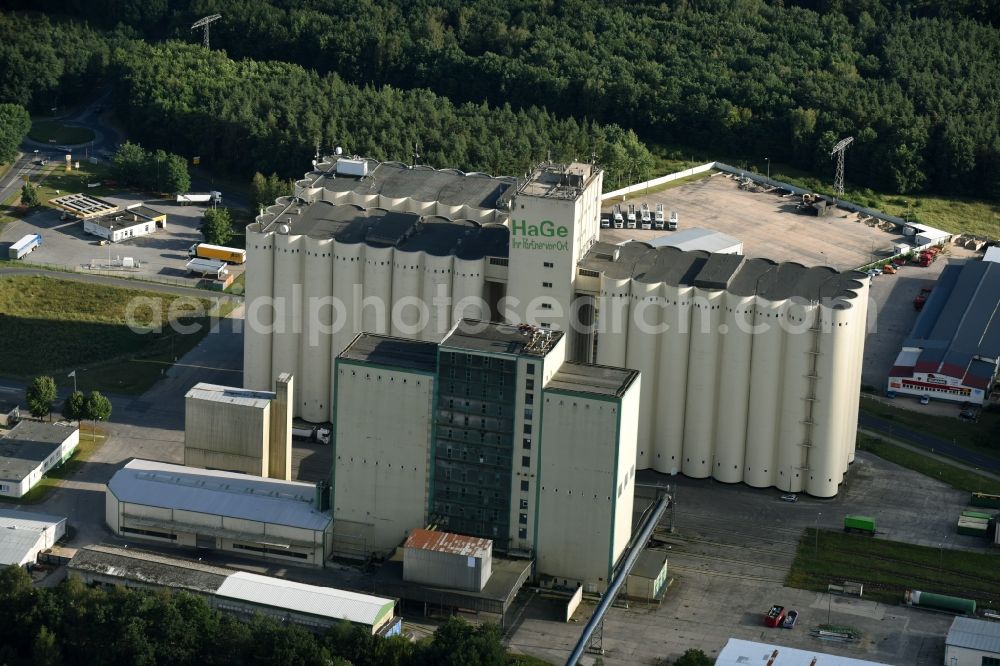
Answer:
(750, 369)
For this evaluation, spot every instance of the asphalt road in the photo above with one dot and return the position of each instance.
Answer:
(935, 444)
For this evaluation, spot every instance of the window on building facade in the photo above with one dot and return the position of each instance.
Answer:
(522, 518)
(525, 461)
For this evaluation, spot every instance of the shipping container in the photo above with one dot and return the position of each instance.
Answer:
(982, 499)
(941, 602)
(977, 514)
(24, 246)
(230, 255)
(859, 524)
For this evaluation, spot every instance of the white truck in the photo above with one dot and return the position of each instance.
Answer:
(647, 219)
(630, 219)
(658, 221)
(619, 219)
(24, 246)
(672, 222)
(304, 431)
(206, 267)
(206, 198)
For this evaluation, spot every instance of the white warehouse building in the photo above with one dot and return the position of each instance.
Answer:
(751, 369)
(245, 515)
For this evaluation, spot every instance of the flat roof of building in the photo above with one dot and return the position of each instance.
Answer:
(143, 209)
(392, 352)
(959, 326)
(218, 493)
(697, 239)
(973, 634)
(449, 542)
(589, 378)
(141, 566)
(506, 579)
(494, 338)
(20, 530)
(27, 445)
(231, 395)
(738, 652)
(733, 272)
(559, 181)
(288, 595)
(83, 205)
(421, 183)
(649, 564)
(123, 219)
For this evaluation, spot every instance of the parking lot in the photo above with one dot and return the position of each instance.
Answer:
(891, 315)
(768, 225)
(161, 255)
(733, 548)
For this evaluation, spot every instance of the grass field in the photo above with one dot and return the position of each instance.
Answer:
(956, 477)
(91, 437)
(51, 326)
(982, 436)
(59, 182)
(53, 131)
(889, 568)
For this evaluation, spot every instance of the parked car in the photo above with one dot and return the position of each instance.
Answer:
(775, 616)
(790, 498)
(790, 619)
(967, 415)
(925, 400)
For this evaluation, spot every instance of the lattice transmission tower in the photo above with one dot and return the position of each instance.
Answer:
(204, 23)
(838, 150)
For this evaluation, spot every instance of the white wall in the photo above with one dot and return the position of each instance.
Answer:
(381, 450)
(957, 656)
(585, 502)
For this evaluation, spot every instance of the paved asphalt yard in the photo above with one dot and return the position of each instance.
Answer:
(769, 225)
(162, 255)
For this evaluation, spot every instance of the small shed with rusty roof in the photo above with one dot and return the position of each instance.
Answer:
(445, 559)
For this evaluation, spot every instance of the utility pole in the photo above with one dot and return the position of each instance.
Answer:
(838, 151)
(204, 23)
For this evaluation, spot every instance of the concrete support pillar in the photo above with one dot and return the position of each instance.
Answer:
(280, 451)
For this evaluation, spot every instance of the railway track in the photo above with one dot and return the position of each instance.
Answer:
(762, 579)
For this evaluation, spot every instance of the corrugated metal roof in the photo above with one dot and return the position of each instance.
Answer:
(973, 634)
(219, 493)
(322, 601)
(230, 395)
(699, 239)
(447, 542)
(992, 254)
(750, 653)
(148, 568)
(19, 532)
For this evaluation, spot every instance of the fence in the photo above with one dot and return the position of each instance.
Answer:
(625, 191)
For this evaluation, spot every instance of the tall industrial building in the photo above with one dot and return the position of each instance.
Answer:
(750, 368)
(490, 433)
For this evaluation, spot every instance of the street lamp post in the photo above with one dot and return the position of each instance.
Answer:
(818, 514)
(111, 239)
(768, 160)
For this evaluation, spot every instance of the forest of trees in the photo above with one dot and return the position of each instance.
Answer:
(76, 624)
(915, 82)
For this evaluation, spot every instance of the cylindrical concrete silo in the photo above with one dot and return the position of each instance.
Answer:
(734, 388)
(859, 320)
(672, 374)
(408, 313)
(644, 326)
(258, 325)
(313, 378)
(613, 318)
(450, 211)
(797, 392)
(288, 264)
(392, 203)
(377, 302)
(833, 390)
(365, 200)
(766, 375)
(436, 287)
(703, 376)
(348, 278)
(468, 290)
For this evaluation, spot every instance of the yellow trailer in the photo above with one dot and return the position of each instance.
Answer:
(230, 255)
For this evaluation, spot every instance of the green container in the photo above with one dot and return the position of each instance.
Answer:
(859, 523)
(943, 602)
(977, 514)
(982, 499)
